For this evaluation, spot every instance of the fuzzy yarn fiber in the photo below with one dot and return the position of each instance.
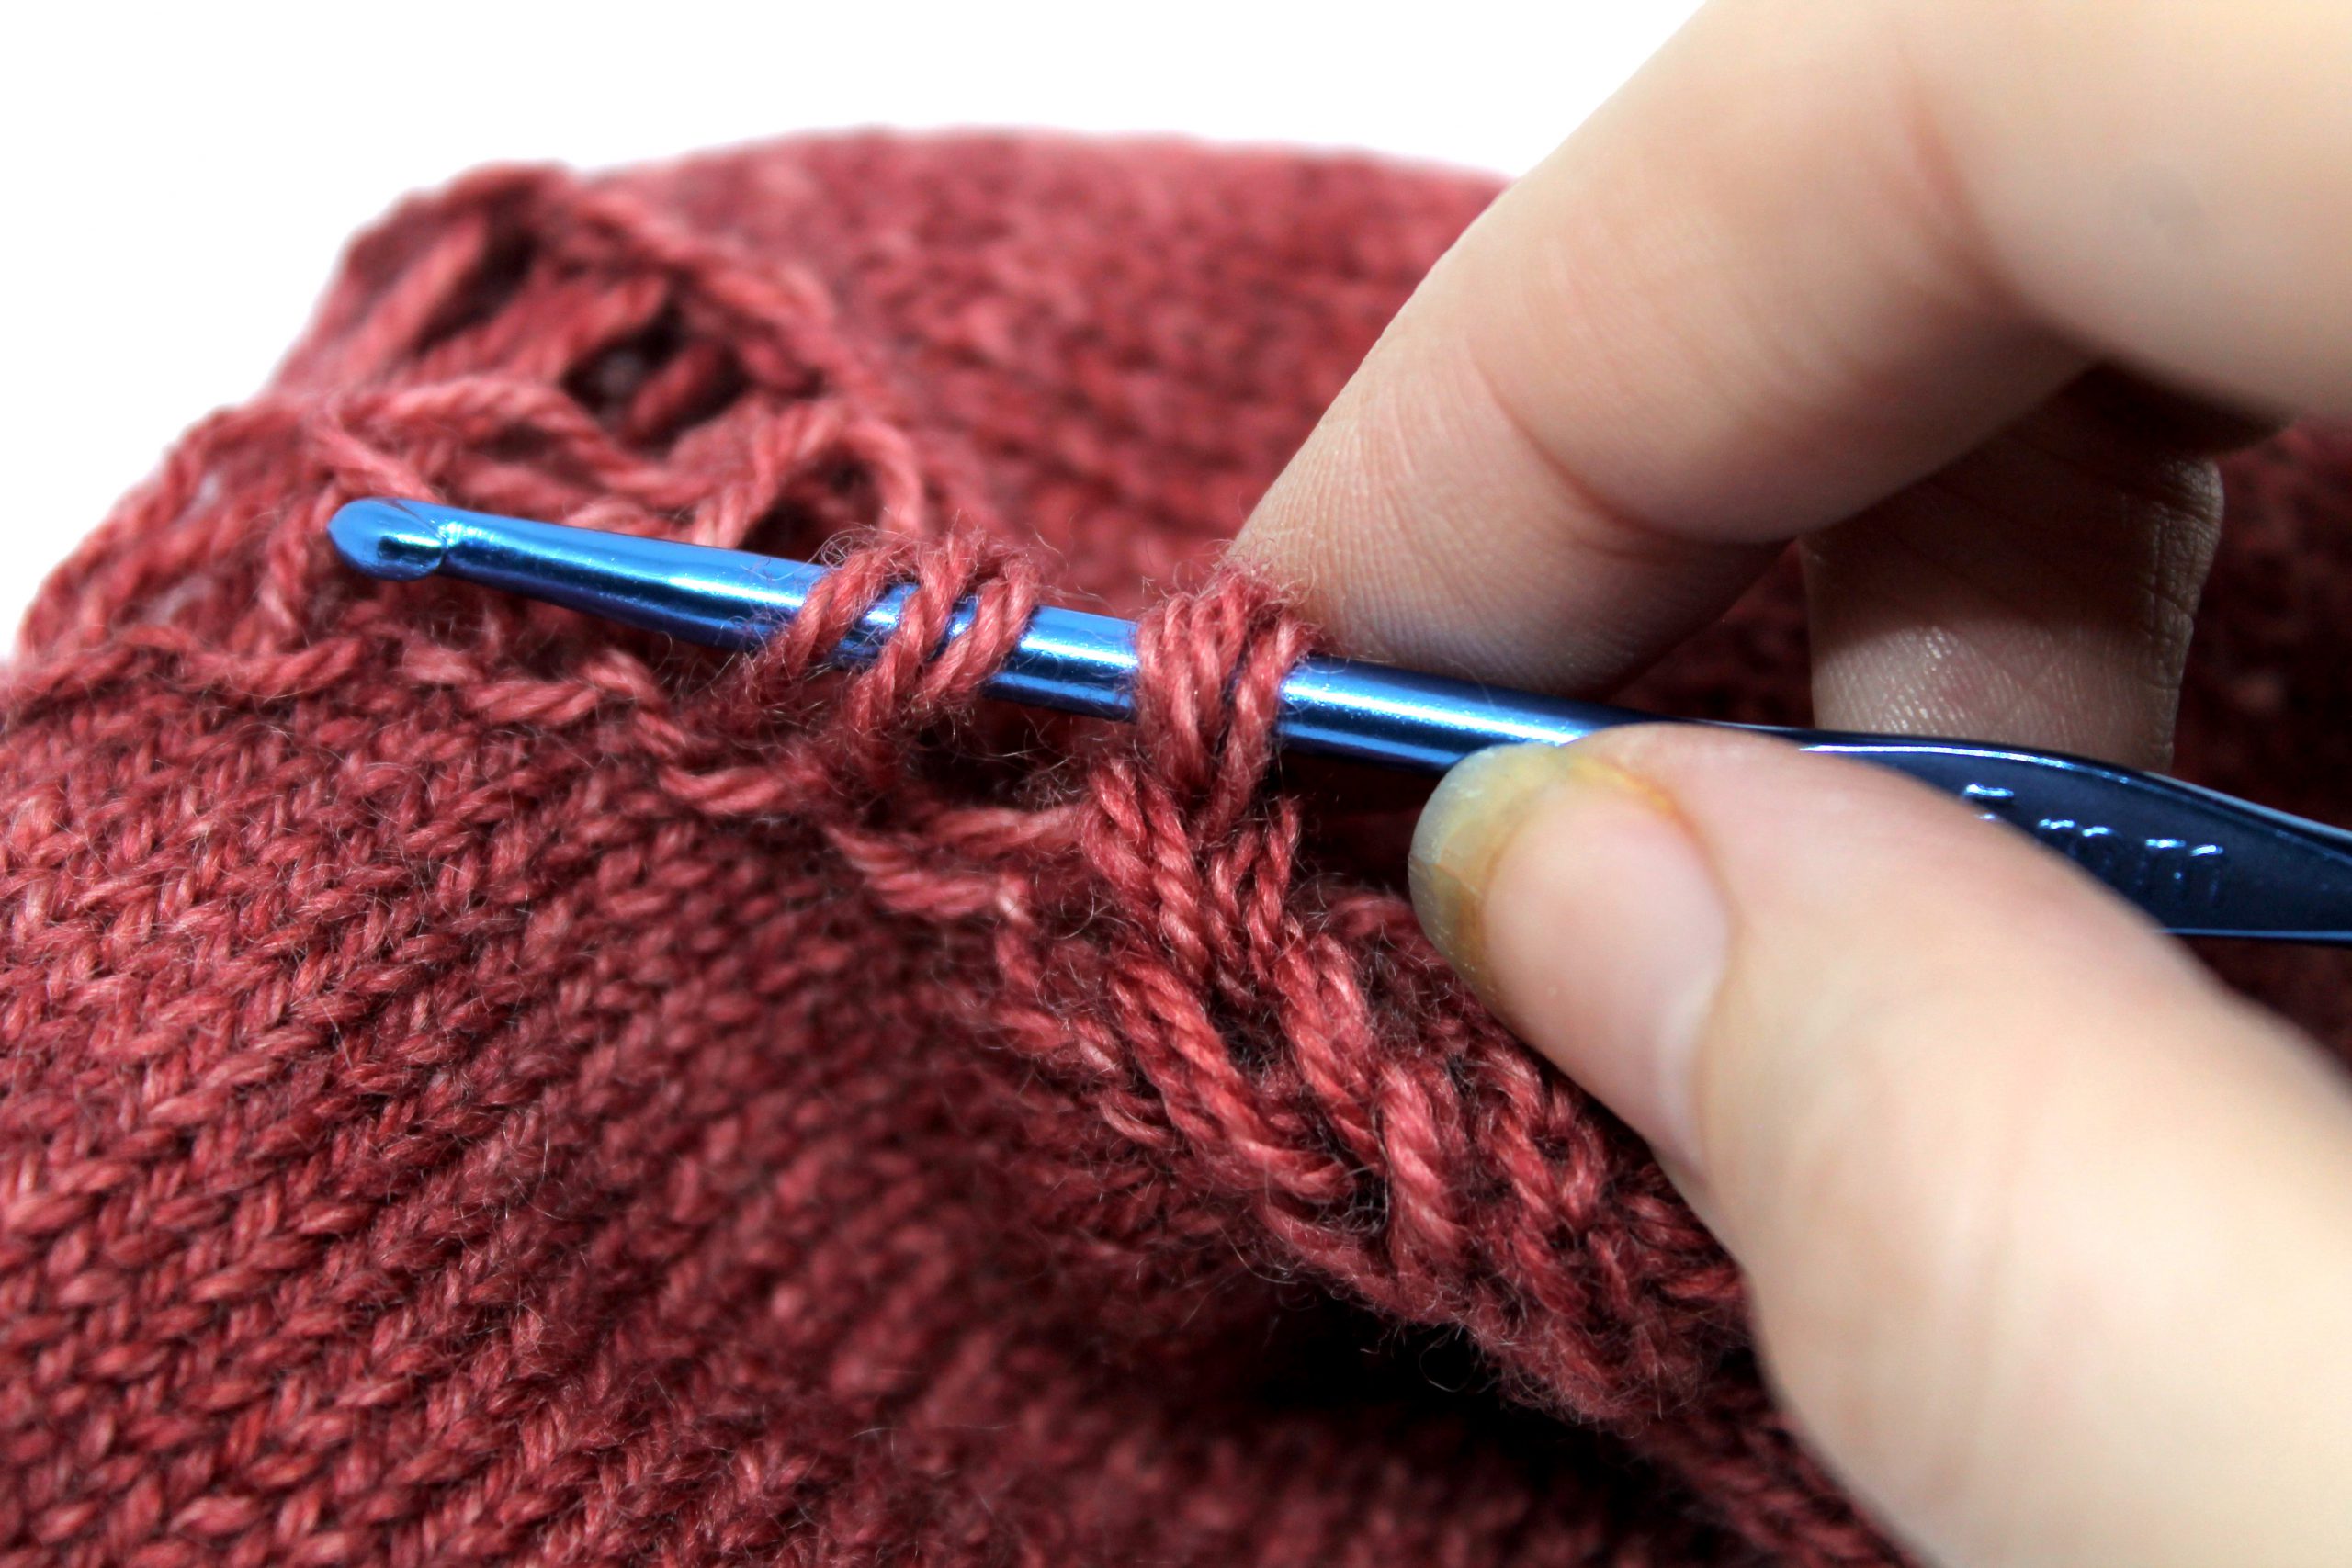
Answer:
(481, 1085)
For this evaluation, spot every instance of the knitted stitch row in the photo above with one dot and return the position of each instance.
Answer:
(483, 1085)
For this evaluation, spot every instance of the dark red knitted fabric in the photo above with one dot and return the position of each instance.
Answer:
(481, 1085)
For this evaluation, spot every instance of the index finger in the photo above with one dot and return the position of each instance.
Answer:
(1815, 252)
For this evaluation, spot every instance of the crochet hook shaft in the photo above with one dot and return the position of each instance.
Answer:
(2200, 862)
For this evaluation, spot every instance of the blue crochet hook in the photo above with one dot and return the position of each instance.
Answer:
(2200, 862)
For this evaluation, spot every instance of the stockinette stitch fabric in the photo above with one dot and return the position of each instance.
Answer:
(484, 1085)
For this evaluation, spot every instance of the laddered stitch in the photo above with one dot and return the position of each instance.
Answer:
(484, 1085)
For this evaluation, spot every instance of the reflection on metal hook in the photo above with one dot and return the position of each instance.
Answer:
(2197, 862)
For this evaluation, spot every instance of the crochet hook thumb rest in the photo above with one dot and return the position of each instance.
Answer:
(2200, 862)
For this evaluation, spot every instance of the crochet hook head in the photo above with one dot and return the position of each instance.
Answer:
(390, 539)
(722, 598)
(2197, 862)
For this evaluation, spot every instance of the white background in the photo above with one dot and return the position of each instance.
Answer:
(181, 178)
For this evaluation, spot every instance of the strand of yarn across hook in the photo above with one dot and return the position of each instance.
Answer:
(484, 1087)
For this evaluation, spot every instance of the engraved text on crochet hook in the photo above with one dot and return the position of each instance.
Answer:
(2180, 873)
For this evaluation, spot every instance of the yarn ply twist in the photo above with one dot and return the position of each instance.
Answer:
(484, 1085)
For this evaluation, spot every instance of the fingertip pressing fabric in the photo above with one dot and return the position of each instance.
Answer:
(484, 1085)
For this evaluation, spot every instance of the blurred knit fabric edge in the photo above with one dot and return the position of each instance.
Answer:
(484, 1085)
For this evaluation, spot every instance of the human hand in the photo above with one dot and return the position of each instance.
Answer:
(2049, 1237)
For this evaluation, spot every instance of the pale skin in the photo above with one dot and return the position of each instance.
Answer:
(2050, 1238)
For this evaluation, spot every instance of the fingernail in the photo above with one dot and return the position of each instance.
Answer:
(1573, 898)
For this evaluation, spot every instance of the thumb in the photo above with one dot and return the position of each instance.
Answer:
(2049, 1236)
